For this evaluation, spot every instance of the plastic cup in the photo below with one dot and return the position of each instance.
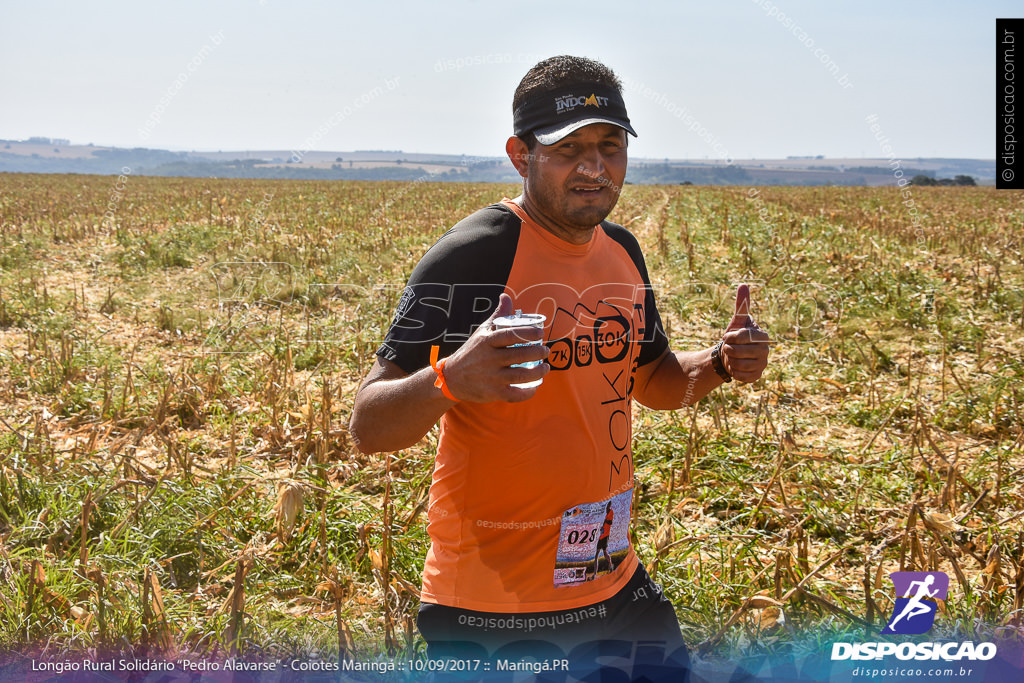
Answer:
(521, 319)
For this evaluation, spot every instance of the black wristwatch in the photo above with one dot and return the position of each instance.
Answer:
(717, 364)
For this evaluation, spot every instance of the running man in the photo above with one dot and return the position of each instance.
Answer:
(512, 461)
(915, 606)
(602, 542)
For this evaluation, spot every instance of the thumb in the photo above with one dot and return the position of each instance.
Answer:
(505, 307)
(741, 316)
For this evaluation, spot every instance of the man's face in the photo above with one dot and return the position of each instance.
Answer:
(572, 185)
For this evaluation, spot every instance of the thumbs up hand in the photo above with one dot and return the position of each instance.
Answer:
(745, 345)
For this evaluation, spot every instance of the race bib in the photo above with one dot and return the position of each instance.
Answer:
(593, 540)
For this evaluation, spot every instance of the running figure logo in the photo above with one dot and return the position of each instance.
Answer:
(602, 541)
(916, 596)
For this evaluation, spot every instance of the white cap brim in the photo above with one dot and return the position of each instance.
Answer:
(552, 134)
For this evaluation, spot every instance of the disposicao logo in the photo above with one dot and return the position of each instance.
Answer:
(916, 596)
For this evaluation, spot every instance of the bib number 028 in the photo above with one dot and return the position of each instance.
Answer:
(582, 536)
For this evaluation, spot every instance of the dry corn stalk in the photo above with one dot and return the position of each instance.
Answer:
(384, 571)
(664, 536)
(286, 509)
(154, 618)
(234, 603)
(337, 591)
(81, 616)
(870, 608)
(36, 584)
(6, 571)
(83, 551)
(768, 619)
(38, 591)
(95, 574)
(1018, 595)
(782, 565)
(992, 579)
(940, 522)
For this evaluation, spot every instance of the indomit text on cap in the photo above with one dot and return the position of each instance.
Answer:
(553, 114)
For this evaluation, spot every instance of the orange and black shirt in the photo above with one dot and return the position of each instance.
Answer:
(510, 479)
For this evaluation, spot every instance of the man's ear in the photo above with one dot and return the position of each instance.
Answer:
(518, 154)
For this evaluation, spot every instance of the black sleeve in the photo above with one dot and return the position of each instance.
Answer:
(654, 341)
(453, 289)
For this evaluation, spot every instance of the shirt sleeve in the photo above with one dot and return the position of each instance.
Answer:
(453, 289)
(654, 341)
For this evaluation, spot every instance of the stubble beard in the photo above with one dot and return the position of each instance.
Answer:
(571, 215)
(586, 217)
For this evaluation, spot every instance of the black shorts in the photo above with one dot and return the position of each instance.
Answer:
(634, 631)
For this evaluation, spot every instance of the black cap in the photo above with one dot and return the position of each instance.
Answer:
(553, 114)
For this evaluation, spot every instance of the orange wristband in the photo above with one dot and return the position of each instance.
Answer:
(438, 366)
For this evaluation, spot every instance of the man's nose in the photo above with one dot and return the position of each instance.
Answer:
(591, 164)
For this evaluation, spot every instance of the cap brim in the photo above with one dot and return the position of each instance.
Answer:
(552, 134)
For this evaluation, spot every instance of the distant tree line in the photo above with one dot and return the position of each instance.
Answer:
(250, 168)
(102, 161)
(885, 170)
(923, 180)
(667, 174)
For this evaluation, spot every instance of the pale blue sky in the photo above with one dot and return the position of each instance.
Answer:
(748, 83)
